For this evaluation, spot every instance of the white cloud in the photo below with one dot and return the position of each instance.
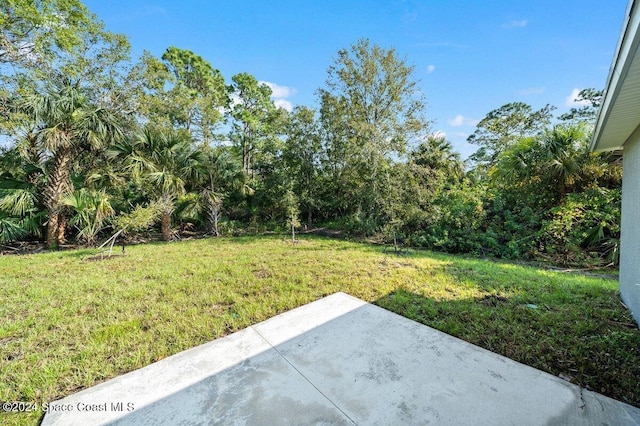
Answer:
(515, 24)
(279, 95)
(571, 99)
(235, 100)
(284, 104)
(279, 91)
(439, 134)
(430, 69)
(457, 121)
(461, 120)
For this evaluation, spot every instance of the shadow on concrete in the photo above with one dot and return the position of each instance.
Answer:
(341, 361)
(588, 347)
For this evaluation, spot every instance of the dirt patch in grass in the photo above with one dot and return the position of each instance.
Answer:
(101, 257)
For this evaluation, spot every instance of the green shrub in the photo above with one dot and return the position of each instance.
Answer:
(584, 228)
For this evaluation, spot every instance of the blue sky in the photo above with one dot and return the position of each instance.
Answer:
(470, 56)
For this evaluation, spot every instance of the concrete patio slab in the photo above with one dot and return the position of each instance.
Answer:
(338, 361)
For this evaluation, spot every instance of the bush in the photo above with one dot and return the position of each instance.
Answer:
(140, 219)
(585, 228)
(453, 222)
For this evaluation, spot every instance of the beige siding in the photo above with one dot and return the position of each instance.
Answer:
(630, 240)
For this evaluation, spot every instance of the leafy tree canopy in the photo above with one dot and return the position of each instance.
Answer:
(255, 120)
(384, 105)
(371, 109)
(182, 90)
(33, 30)
(590, 100)
(503, 127)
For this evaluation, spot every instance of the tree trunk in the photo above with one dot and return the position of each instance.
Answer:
(166, 202)
(214, 217)
(245, 159)
(213, 204)
(165, 225)
(245, 152)
(63, 220)
(58, 186)
(52, 230)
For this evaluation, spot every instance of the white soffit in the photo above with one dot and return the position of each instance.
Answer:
(619, 114)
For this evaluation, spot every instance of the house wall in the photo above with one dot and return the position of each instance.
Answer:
(630, 233)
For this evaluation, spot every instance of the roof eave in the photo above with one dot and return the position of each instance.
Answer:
(625, 50)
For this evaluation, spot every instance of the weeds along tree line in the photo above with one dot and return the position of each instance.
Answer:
(94, 142)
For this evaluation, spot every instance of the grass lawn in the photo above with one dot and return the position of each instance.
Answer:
(67, 323)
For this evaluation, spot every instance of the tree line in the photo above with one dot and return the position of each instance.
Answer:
(96, 142)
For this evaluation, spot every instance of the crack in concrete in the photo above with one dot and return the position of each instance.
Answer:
(584, 403)
(303, 376)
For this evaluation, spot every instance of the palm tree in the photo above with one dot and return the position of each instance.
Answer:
(222, 175)
(435, 164)
(557, 163)
(564, 151)
(68, 122)
(519, 165)
(437, 154)
(167, 161)
(91, 209)
(21, 213)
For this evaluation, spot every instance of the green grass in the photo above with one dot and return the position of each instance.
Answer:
(68, 323)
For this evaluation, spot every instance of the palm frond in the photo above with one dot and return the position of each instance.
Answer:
(91, 210)
(11, 229)
(19, 203)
